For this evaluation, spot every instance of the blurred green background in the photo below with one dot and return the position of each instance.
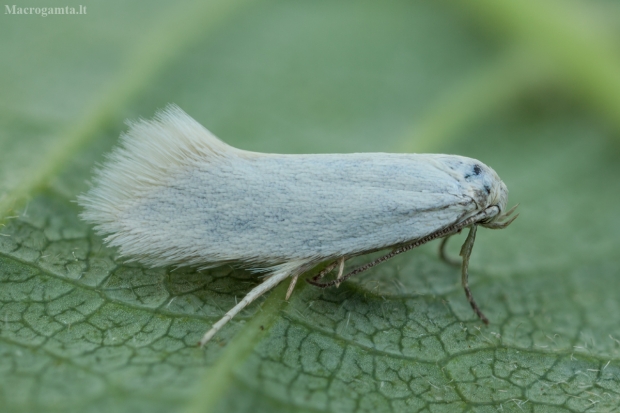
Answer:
(531, 88)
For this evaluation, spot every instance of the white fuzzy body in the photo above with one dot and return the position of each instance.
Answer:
(173, 194)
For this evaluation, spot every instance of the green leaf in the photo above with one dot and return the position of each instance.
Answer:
(80, 330)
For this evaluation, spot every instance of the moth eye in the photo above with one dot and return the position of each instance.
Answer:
(476, 170)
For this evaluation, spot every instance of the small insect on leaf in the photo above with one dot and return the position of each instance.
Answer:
(174, 194)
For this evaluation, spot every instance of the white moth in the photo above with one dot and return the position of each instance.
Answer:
(174, 194)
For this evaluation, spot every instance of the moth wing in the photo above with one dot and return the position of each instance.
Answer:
(262, 208)
(173, 193)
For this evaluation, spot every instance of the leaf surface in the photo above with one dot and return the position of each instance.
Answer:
(80, 330)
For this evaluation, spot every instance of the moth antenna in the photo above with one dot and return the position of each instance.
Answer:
(325, 271)
(450, 230)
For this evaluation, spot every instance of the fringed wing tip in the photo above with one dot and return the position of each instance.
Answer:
(149, 153)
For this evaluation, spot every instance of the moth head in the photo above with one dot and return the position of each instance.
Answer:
(498, 194)
(490, 194)
(480, 183)
(476, 180)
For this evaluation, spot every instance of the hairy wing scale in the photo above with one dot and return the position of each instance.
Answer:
(277, 208)
(173, 193)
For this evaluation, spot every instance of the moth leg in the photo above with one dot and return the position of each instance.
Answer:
(367, 266)
(325, 271)
(443, 254)
(340, 270)
(466, 249)
(256, 292)
(291, 287)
